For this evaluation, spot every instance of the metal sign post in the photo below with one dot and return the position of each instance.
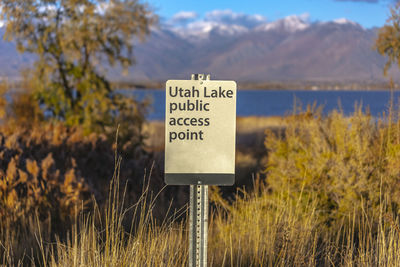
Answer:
(200, 127)
(198, 225)
(198, 220)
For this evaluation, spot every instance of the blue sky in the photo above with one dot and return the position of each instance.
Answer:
(368, 13)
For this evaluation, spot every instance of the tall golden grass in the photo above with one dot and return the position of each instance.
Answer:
(330, 198)
(114, 235)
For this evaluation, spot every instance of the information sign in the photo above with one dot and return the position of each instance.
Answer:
(200, 126)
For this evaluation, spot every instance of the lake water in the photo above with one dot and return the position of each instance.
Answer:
(279, 103)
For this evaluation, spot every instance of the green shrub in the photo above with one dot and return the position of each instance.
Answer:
(343, 163)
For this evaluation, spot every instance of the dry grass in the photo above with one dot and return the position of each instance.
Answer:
(260, 230)
(252, 124)
(330, 199)
(110, 243)
(49, 170)
(102, 237)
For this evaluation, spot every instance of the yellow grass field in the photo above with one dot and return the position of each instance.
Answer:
(327, 196)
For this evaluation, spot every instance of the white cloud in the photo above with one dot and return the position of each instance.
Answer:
(208, 26)
(184, 17)
(221, 17)
(223, 22)
(229, 17)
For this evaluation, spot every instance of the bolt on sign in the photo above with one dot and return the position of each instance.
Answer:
(200, 127)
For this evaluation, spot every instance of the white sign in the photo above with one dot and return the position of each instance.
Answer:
(200, 126)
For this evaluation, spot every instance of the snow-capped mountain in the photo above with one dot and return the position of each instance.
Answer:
(203, 29)
(246, 49)
(292, 48)
(345, 21)
(290, 24)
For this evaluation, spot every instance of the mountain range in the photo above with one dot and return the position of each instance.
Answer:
(289, 49)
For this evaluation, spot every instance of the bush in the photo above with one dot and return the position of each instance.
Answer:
(52, 168)
(330, 197)
(343, 163)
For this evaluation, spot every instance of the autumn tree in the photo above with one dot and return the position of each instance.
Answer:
(73, 40)
(388, 41)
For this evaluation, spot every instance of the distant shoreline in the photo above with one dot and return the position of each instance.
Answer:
(270, 85)
(289, 85)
